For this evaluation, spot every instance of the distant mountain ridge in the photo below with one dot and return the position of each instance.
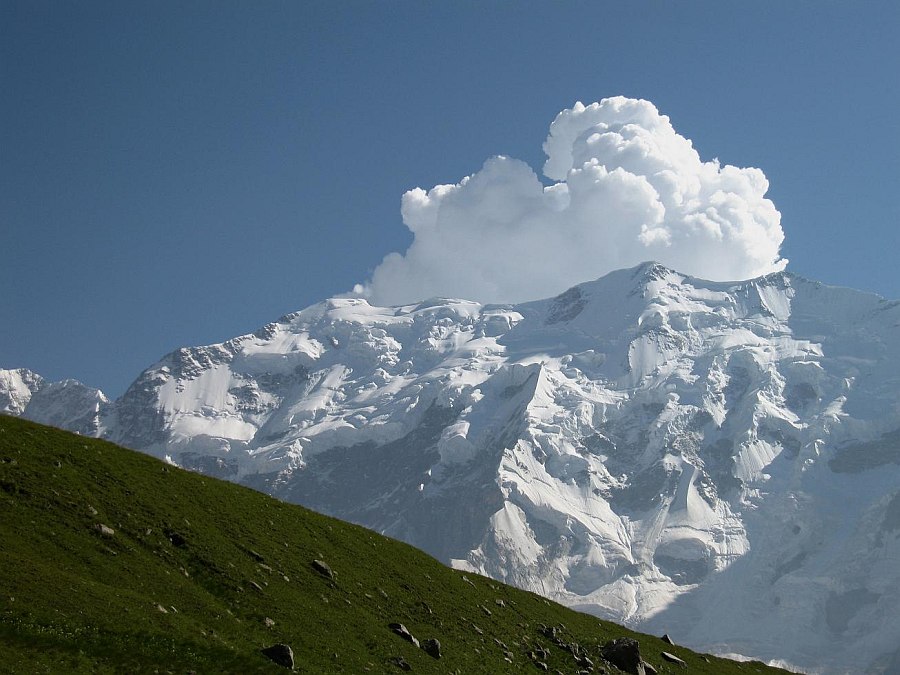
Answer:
(67, 404)
(648, 447)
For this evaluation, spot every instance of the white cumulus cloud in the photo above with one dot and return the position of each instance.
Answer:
(626, 188)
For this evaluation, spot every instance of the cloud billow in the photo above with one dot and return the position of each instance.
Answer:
(627, 189)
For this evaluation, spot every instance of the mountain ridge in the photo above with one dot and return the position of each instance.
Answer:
(623, 447)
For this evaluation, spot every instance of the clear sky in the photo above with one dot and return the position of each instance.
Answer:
(178, 173)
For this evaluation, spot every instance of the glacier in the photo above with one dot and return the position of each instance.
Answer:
(715, 460)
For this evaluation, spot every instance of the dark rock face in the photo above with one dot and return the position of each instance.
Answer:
(624, 654)
(281, 654)
(566, 306)
(139, 421)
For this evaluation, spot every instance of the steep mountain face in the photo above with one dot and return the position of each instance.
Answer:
(67, 404)
(720, 461)
(16, 389)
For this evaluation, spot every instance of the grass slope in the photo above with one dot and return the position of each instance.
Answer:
(195, 567)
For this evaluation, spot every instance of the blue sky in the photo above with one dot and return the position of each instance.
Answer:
(178, 173)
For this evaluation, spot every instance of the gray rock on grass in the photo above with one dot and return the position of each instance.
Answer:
(104, 530)
(671, 658)
(281, 654)
(403, 632)
(625, 654)
(323, 568)
(432, 647)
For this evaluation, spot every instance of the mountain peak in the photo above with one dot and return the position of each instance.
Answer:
(648, 446)
(67, 404)
(17, 386)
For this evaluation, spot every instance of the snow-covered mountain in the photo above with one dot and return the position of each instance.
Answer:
(16, 389)
(67, 404)
(720, 461)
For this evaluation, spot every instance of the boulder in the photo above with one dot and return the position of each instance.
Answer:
(104, 530)
(624, 654)
(281, 654)
(323, 568)
(403, 632)
(432, 647)
(177, 539)
(671, 658)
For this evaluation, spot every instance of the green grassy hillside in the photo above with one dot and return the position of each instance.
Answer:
(111, 561)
